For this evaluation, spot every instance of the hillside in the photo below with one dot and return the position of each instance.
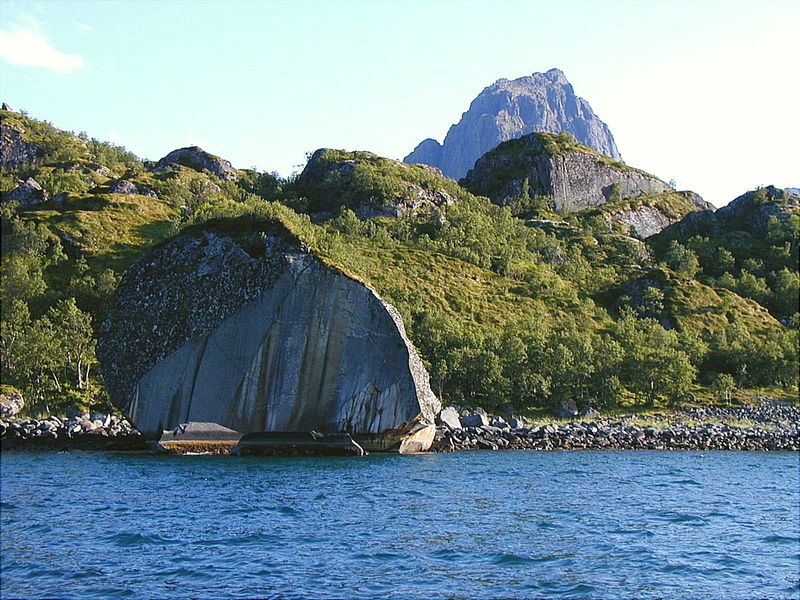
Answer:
(506, 312)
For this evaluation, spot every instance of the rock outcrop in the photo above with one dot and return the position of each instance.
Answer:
(15, 150)
(508, 109)
(122, 186)
(648, 215)
(573, 175)
(234, 324)
(198, 159)
(753, 210)
(10, 404)
(27, 193)
(372, 186)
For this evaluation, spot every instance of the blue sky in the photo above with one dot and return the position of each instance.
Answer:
(702, 92)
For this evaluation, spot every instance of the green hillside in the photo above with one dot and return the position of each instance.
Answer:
(505, 312)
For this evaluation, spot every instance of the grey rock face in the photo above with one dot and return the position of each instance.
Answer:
(511, 108)
(196, 158)
(28, 193)
(15, 152)
(575, 178)
(258, 336)
(123, 187)
(10, 405)
(449, 416)
(644, 221)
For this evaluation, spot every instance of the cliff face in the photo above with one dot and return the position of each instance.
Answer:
(256, 335)
(509, 109)
(573, 175)
(15, 150)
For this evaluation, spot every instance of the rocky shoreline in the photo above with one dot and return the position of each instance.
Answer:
(770, 426)
(91, 431)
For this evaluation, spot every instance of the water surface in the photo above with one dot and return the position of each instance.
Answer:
(463, 525)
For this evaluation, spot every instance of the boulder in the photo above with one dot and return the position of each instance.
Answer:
(121, 186)
(476, 419)
(509, 109)
(235, 323)
(517, 422)
(27, 193)
(198, 159)
(590, 413)
(10, 404)
(566, 409)
(449, 416)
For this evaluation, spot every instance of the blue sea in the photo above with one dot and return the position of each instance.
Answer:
(464, 525)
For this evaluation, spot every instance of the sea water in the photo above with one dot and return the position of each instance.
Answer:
(463, 525)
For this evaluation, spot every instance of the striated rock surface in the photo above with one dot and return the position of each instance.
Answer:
(508, 109)
(15, 151)
(198, 159)
(372, 186)
(574, 176)
(233, 324)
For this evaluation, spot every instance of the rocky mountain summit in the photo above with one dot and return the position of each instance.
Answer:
(234, 323)
(508, 109)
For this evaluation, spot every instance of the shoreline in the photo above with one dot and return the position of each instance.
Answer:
(770, 426)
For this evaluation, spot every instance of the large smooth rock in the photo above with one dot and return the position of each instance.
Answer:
(509, 109)
(450, 417)
(239, 327)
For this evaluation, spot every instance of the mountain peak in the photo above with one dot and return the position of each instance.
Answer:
(510, 108)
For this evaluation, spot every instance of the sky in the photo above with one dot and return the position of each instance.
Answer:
(702, 92)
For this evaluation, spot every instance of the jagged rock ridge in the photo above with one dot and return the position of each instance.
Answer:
(254, 334)
(508, 109)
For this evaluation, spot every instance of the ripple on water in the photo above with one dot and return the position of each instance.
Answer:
(466, 525)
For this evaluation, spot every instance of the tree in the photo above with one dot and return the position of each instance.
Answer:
(681, 260)
(72, 331)
(724, 384)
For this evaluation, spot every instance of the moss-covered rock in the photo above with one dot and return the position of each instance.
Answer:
(371, 185)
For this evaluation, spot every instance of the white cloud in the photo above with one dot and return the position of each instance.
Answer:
(29, 48)
(84, 27)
